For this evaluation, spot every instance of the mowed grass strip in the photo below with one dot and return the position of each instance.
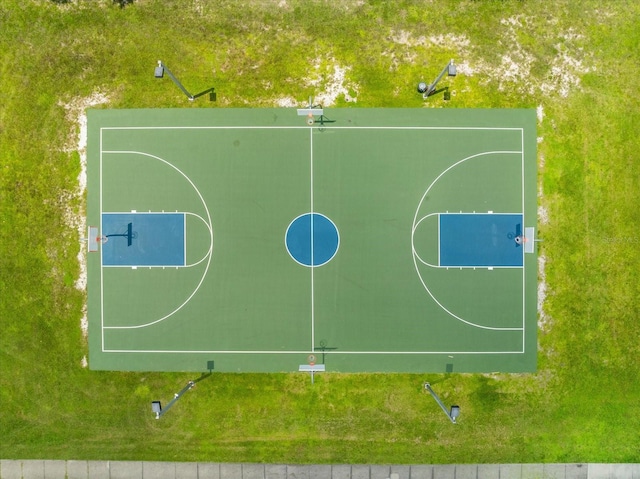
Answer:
(578, 63)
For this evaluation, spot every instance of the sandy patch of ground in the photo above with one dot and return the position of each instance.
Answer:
(518, 66)
(544, 321)
(564, 70)
(345, 5)
(515, 66)
(450, 40)
(404, 37)
(447, 40)
(465, 68)
(543, 214)
(76, 114)
(408, 47)
(331, 78)
(287, 102)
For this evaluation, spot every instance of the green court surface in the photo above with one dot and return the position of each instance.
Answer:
(377, 240)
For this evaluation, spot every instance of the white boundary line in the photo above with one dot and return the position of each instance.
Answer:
(438, 232)
(310, 128)
(147, 212)
(313, 261)
(306, 351)
(523, 255)
(102, 341)
(325, 127)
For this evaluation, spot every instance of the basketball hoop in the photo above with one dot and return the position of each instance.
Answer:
(310, 119)
(520, 239)
(101, 239)
(311, 359)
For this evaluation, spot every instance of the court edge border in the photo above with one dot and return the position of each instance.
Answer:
(311, 128)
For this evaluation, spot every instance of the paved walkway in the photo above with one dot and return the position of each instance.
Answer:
(37, 469)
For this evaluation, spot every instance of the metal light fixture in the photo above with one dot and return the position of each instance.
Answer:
(156, 407)
(454, 413)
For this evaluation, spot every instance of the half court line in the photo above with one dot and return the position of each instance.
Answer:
(312, 241)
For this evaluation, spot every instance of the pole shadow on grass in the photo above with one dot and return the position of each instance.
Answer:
(447, 93)
(209, 373)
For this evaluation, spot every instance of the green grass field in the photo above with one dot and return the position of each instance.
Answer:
(577, 64)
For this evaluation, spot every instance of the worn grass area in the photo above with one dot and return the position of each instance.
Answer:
(577, 63)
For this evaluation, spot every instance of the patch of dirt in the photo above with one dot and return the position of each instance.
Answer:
(76, 114)
(331, 78)
(450, 40)
(565, 68)
(544, 321)
(543, 214)
(287, 102)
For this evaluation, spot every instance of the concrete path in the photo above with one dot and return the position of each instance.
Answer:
(39, 469)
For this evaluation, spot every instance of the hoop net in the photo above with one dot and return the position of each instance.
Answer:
(101, 239)
(311, 359)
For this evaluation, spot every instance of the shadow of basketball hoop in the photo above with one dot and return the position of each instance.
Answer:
(323, 349)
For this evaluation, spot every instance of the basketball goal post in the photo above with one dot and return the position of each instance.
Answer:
(311, 366)
(94, 239)
(311, 112)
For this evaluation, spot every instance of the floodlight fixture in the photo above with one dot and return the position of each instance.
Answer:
(452, 414)
(156, 408)
(429, 89)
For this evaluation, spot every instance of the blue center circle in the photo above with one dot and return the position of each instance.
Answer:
(312, 239)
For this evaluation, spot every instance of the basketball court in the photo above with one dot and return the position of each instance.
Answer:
(376, 240)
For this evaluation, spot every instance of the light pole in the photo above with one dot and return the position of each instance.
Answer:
(162, 68)
(156, 406)
(430, 89)
(453, 414)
